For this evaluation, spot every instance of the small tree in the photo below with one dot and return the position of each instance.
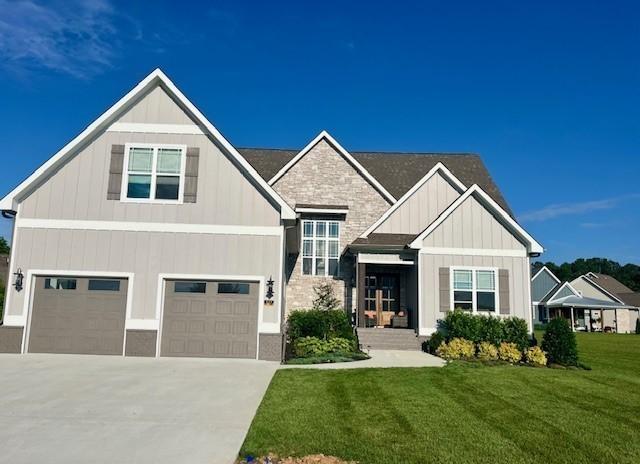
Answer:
(559, 342)
(325, 299)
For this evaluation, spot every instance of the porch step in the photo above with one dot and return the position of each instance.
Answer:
(388, 339)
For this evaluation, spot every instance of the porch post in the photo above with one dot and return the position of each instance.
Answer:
(362, 273)
(615, 315)
(573, 320)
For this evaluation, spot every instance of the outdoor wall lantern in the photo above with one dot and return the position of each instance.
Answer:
(270, 288)
(19, 278)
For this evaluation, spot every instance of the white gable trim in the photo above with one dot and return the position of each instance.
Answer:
(439, 167)
(359, 167)
(609, 294)
(501, 214)
(568, 285)
(545, 268)
(105, 120)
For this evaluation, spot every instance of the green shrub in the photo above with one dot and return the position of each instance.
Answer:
(325, 299)
(458, 348)
(490, 329)
(535, 356)
(516, 331)
(487, 351)
(434, 342)
(461, 324)
(559, 342)
(320, 324)
(307, 347)
(509, 352)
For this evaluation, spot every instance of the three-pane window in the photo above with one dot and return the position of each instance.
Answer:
(320, 247)
(154, 173)
(474, 290)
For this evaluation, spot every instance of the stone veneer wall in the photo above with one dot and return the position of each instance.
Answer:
(324, 177)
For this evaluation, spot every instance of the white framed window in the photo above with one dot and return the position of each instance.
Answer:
(320, 247)
(153, 173)
(474, 289)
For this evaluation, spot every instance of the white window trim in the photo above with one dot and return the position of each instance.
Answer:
(474, 290)
(125, 173)
(313, 251)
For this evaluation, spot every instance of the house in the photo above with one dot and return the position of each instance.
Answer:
(592, 302)
(150, 234)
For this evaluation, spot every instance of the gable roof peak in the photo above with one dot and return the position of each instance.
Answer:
(344, 153)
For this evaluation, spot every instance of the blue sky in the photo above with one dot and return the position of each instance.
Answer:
(547, 92)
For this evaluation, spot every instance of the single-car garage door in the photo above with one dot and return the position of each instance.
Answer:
(79, 315)
(211, 319)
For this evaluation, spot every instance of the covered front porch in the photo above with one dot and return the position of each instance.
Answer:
(593, 315)
(387, 290)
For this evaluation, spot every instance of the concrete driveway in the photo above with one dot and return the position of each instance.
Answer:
(77, 409)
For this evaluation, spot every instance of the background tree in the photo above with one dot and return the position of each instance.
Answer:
(4, 246)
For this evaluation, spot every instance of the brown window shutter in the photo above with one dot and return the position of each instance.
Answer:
(191, 175)
(115, 172)
(445, 287)
(503, 284)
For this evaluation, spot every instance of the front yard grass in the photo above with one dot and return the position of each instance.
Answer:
(462, 413)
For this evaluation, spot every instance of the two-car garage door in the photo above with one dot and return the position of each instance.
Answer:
(86, 315)
(210, 319)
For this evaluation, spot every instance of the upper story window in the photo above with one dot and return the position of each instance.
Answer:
(154, 173)
(320, 247)
(474, 290)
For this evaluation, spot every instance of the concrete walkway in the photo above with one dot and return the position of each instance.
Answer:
(67, 409)
(381, 358)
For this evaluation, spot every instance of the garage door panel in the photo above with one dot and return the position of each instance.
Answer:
(77, 320)
(215, 324)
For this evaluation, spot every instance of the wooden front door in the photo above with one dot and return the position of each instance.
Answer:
(381, 299)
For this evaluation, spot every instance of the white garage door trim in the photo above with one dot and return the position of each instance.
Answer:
(162, 281)
(28, 301)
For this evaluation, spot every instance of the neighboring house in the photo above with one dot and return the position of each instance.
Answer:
(151, 235)
(592, 302)
(4, 270)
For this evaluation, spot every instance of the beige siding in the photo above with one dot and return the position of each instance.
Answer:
(472, 226)
(79, 189)
(519, 294)
(156, 107)
(421, 208)
(146, 255)
(589, 291)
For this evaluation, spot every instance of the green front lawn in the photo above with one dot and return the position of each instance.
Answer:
(461, 413)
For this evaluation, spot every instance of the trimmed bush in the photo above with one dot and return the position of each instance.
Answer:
(535, 356)
(320, 324)
(307, 347)
(487, 352)
(516, 331)
(461, 324)
(458, 348)
(559, 342)
(509, 352)
(490, 329)
(434, 342)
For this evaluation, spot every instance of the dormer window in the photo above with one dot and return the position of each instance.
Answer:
(154, 173)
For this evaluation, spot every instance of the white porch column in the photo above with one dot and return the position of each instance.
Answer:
(573, 320)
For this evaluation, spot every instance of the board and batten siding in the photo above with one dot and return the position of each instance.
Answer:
(519, 296)
(421, 208)
(542, 285)
(472, 226)
(146, 255)
(156, 107)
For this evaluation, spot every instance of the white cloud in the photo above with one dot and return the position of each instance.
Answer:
(75, 37)
(566, 209)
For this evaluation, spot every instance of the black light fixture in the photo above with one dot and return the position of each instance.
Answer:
(19, 278)
(270, 288)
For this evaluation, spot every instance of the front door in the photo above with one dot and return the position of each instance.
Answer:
(381, 299)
